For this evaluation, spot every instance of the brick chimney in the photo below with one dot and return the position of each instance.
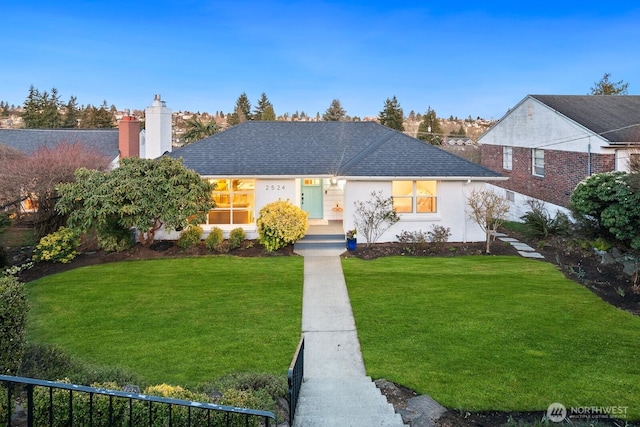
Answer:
(129, 137)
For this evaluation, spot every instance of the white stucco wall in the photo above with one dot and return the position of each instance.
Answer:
(519, 205)
(532, 124)
(452, 211)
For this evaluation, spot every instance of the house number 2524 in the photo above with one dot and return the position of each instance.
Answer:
(274, 187)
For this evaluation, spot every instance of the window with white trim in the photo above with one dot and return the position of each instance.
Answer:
(234, 201)
(414, 196)
(507, 158)
(537, 162)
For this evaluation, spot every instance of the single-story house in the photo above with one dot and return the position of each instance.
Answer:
(547, 144)
(326, 167)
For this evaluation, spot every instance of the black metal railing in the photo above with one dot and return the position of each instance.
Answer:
(294, 378)
(48, 403)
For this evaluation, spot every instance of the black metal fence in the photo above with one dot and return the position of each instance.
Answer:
(294, 378)
(48, 403)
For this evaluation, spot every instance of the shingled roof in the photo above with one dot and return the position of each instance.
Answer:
(349, 149)
(614, 117)
(105, 141)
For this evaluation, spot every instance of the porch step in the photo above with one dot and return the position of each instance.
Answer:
(321, 242)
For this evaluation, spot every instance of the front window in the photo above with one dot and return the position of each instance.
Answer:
(234, 200)
(538, 162)
(507, 158)
(414, 196)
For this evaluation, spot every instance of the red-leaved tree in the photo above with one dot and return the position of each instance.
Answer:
(33, 178)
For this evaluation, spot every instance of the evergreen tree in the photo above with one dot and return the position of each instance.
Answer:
(605, 87)
(335, 112)
(71, 114)
(392, 116)
(41, 110)
(242, 111)
(269, 115)
(97, 118)
(264, 109)
(52, 118)
(459, 132)
(429, 129)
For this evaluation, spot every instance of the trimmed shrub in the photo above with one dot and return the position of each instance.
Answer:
(236, 237)
(223, 247)
(60, 246)
(117, 412)
(248, 389)
(13, 323)
(49, 362)
(280, 224)
(190, 236)
(214, 238)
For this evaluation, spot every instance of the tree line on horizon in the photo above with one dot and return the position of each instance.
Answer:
(45, 110)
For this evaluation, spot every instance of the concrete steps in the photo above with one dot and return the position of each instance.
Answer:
(347, 401)
(335, 243)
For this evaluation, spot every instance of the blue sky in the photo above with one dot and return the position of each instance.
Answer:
(460, 58)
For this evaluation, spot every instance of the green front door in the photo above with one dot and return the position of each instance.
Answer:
(312, 197)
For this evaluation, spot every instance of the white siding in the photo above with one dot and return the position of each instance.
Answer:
(532, 124)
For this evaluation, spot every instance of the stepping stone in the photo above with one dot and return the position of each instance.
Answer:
(531, 255)
(522, 247)
(507, 239)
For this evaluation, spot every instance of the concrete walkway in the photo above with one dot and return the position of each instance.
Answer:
(336, 390)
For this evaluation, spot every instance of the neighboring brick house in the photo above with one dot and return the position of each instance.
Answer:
(547, 144)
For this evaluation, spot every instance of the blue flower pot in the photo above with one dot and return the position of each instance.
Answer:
(351, 244)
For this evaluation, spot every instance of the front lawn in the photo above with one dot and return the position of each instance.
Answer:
(181, 321)
(493, 333)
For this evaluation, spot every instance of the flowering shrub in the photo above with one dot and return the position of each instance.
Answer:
(281, 223)
(214, 238)
(351, 234)
(59, 246)
(236, 237)
(190, 236)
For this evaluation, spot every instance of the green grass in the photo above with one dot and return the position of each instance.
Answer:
(180, 321)
(493, 333)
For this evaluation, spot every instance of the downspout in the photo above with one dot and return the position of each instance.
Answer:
(589, 157)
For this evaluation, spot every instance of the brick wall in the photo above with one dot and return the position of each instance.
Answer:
(563, 171)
